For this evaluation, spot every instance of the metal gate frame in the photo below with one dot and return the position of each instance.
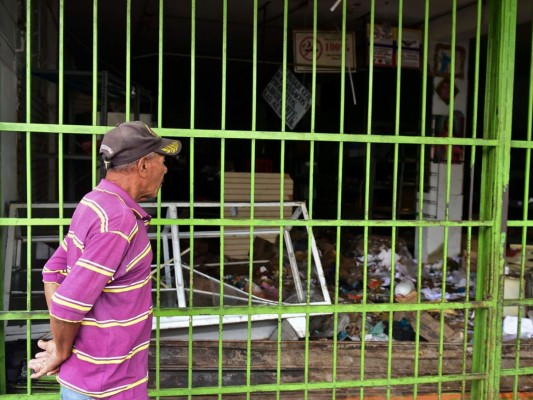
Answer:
(496, 143)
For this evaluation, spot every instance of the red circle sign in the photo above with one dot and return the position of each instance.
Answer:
(306, 48)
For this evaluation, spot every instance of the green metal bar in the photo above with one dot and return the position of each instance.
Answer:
(161, 30)
(128, 60)
(525, 214)
(471, 191)
(421, 180)
(252, 197)
(28, 177)
(264, 135)
(282, 191)
(158, 298)
(497, 147)
(285, 309)
(310, 194)
(61, 91)
(395, 188)
(495, 173)
(191, 195)
(316, 385)
(339, 195)
(94, 150)
(448, 188)
(368, 169)
(222, 169)
(158, 227)
(269, 222)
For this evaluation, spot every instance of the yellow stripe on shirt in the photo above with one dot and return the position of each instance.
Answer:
(105, 361)
(136, 260)
(107, 393)
(108, 192)
(128, 288)
(117, 323)
(103, 219)
(94, 268)
(68, 304)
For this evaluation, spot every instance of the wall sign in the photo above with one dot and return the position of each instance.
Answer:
(298, 97)
(386, 46)
(328, 51)
(443, 60)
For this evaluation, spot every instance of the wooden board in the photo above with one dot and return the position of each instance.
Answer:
(264, 358)
(267, 189)
(237, 187)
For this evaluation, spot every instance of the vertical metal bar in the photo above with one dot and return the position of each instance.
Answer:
(282, 191)
(252, 200)
(222, 168)
(158, 231)
(61, 93)
(525, 216)
(395, 187)
(160, 64)
(94, 150)
(421, 190)
(28, 179)
(128, 60)
(494, 194)
(368, 166)
(448, 191)
(191, 200)
(339, 196)
(471, 192)
(311, 190)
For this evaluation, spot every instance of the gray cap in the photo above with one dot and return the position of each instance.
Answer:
(129, 141)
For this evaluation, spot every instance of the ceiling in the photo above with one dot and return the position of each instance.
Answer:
(267, 32)
(240, 24)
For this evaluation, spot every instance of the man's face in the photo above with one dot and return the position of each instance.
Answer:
(156, 170)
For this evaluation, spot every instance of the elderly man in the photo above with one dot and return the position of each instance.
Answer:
(98, 282)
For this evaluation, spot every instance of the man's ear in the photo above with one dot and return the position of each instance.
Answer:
(142, 166)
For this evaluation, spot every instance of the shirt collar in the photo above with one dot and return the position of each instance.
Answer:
(113, 188)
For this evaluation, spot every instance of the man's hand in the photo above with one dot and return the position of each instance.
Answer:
(45, 362)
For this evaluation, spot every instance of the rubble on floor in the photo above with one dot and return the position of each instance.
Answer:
(379, 261)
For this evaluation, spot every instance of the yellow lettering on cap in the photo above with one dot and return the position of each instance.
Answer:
(171, 148)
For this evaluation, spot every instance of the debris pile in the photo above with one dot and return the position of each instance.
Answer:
(371, 273)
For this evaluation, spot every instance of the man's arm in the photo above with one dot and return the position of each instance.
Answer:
(49, 290)
(63, 332)
(57, 350)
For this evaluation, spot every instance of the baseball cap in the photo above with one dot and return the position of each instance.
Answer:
(129, 141)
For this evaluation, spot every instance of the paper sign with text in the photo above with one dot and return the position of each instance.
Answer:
(298, 97)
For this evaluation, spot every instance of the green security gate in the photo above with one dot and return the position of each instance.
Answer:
(327, 139)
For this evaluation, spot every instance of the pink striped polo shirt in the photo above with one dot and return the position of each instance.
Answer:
(103, 271)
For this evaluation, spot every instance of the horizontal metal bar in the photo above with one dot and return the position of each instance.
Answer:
(263, 135)
(262, 222)
(516, 372)
(329, 308)
(521, 144)
(516, 302)
(285, 309)
(516, 223)
(291, 387)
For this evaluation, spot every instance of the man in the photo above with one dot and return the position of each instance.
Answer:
(98, 282)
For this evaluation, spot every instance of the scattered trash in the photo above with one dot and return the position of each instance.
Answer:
(345, 273)
(510, 328)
